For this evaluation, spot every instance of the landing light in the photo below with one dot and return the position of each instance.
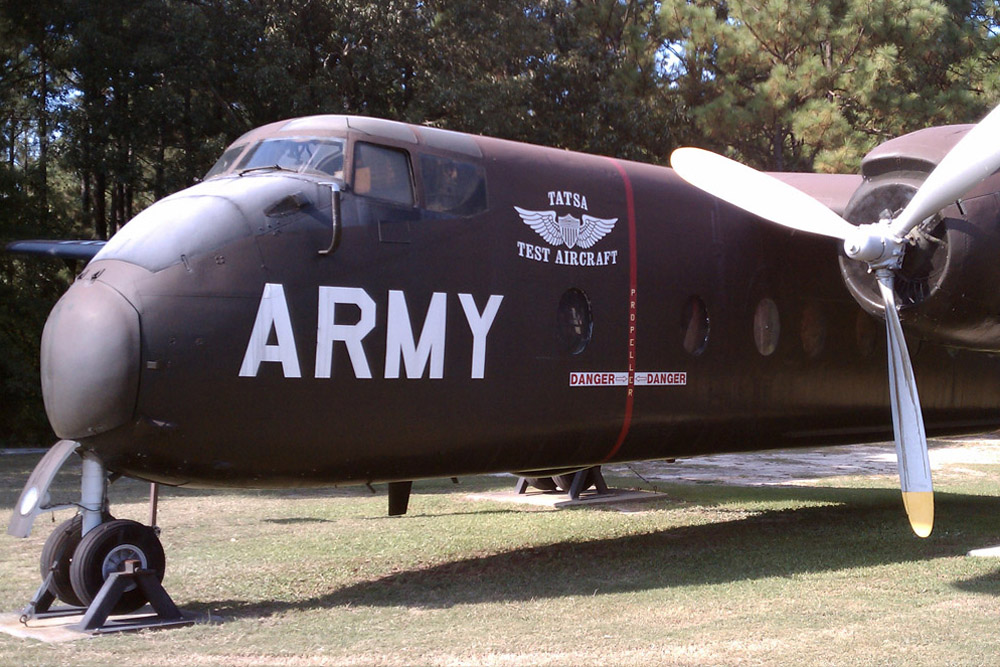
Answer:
(28, 501)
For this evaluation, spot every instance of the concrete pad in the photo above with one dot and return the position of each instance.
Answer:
(986, 552)
(557, 500)
(806, 466)
(59, 628)
(48, 630)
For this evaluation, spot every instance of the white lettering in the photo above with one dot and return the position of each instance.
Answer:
(351, 334)
(533, 252)
(272, 312)
(480, 325)
(585, 257)
(418, 353)
(567, 198)
(399, 338)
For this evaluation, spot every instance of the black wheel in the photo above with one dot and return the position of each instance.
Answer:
(104, 550)
(541, 483)
(57, 554)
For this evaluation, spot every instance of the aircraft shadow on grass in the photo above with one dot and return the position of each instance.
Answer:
(777, 543)
(415, 515)
(986, 583)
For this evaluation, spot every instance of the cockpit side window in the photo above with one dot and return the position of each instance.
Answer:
(453, 186)
(383, 173)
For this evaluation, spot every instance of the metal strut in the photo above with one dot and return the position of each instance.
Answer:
(93, 492)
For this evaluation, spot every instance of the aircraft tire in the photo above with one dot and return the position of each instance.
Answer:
(105, 549)
(542, 483)
(57, 554)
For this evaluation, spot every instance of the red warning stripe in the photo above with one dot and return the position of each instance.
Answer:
(632, 298)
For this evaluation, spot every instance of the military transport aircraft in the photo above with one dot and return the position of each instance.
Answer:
(351, 300)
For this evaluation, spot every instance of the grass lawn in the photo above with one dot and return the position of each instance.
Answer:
(706, 574)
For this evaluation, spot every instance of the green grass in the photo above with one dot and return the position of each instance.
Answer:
(706, 575)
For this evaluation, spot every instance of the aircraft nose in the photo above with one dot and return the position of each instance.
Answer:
(90, 361)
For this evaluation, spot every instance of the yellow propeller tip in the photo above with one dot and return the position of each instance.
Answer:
(920, 509)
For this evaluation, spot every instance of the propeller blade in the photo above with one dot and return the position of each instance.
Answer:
(757, 192)
(907, 419)
(973, 158)
(771, 199)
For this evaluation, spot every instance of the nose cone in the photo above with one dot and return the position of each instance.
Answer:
(90, 361)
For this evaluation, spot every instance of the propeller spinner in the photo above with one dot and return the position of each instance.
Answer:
(881, 245)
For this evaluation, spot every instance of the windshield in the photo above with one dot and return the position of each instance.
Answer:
(300, 154)
(226, 161)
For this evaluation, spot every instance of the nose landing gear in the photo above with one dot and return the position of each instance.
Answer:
(93, 562)
(105, 550)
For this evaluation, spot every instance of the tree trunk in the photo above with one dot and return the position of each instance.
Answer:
(100, 206)
(43, 133)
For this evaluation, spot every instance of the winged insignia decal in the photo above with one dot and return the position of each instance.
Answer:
(567, 229)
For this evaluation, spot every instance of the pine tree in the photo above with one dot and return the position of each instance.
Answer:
(797, 84)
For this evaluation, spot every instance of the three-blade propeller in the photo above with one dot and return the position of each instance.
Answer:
(880, 244)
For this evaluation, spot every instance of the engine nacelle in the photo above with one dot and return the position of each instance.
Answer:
(949, 285)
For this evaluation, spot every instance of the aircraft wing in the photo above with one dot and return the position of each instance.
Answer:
(831, 190)
(84, 250)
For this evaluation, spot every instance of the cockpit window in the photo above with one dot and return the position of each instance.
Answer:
(453, 186)
(300, 154)
(226, 161)
(383, 173)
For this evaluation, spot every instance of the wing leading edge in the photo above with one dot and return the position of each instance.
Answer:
(84, 250)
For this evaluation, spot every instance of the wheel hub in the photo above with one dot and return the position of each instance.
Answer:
(115, 560)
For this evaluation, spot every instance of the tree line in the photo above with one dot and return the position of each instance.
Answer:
(106, 106)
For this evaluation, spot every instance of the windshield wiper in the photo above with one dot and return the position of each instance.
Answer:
(276, 167)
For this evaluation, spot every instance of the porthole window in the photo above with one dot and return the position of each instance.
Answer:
(574, 321)
(695, 325)
(766, 327)
(813, 331)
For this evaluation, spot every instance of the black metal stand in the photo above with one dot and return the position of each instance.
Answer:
(95, 617)
(167, 614)
(41, 607)
(577, 487)
(581, 478)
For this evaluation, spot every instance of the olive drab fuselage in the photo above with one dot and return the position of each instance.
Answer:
(487, 306)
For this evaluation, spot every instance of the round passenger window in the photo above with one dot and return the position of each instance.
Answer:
(766, 327)
(574, 321)
(695, 325)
